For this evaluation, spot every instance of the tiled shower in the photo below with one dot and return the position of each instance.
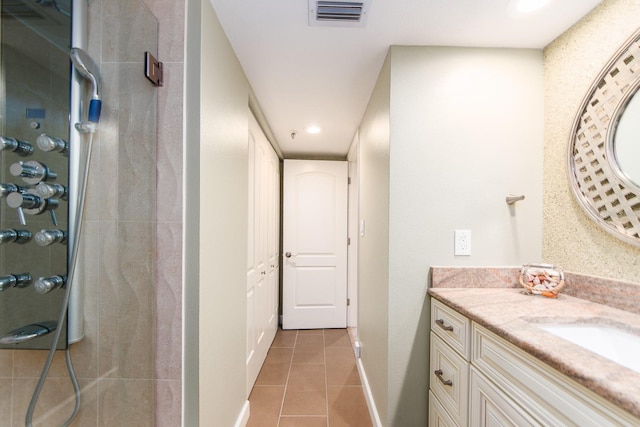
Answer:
(129, 363)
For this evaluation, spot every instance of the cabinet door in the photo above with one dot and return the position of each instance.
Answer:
(491, 408)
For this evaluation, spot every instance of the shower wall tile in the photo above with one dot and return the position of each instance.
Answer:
(55, 403)
(170, 15)
(28, 364)
(168, 403)
(169, 161)
(129, 29)
(95, 25)
(6, 364)
(126, 312)
(6, 385)
(137, 146)
(126, 403)
(169, 301)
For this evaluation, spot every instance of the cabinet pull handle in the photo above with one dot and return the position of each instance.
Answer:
(440, 323)
(442, 380)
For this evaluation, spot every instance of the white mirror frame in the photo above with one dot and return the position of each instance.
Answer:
(605, 193)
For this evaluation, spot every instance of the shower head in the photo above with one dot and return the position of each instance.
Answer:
(90, 71)
(87, 68)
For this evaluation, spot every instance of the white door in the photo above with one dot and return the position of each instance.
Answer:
(315, 244)
(262, 248)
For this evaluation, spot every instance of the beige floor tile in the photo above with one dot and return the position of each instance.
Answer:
(309, 349)
(336, 338)
(304, 403)
(302, 356)
(303, 422)
(310, 332)
(310, 341)
(265, 403)
(347, 407)
(307, 378)
(285, 338)
(341, 367)
(276, 367)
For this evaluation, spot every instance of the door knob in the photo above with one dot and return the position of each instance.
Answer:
(288, 254)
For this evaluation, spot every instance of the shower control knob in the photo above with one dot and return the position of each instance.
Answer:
(19, 147)
(46, 284)
(51, 143)
(32, 204)
(16, 236)
(49, 237)
(15, 281)
(24, 200)
(32, 172)
(8, 188)
(52, 190)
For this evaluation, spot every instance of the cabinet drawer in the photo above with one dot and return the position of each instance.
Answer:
(451, 326)
(491, 407)
(449, 379)
(552, 398)
(438, 416)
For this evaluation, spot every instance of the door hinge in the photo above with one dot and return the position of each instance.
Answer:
(348, 241)
(348, 302)
(349, 180)
(153, 69)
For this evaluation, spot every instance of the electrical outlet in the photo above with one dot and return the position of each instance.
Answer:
(462, 242)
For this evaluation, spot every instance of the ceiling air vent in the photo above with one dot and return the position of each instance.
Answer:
(338, 13)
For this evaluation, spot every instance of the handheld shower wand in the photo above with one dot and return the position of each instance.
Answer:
(90, 71)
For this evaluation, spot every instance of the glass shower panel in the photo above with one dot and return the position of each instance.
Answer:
(34, 112)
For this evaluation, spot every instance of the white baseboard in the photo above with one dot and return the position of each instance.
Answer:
(243, 418)
(371, 404)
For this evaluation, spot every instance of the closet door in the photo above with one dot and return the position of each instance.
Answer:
(262, 260)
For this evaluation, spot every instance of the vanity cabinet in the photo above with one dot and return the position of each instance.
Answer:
(496, 383)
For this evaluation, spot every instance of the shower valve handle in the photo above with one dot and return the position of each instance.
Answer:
(46, 284)
(52, 190)
(32, 204)
(15, 281)
(8, 188)
(19, 147)
(17, 236)
(32, 172)
(48, 143)
(49, 237)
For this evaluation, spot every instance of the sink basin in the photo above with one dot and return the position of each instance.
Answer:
(614, 344)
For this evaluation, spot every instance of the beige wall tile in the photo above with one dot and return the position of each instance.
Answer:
(126, 403)
(168, 403)
(168, 328)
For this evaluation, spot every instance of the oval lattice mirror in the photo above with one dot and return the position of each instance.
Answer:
(600, 173)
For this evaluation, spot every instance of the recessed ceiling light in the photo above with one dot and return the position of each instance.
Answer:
(526, 6)
(313, 129)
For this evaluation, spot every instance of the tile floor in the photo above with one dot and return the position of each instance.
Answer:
(309, 379)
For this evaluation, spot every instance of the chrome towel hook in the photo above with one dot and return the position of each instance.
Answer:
(511, 199)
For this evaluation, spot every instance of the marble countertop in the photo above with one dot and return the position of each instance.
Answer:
(514, 316)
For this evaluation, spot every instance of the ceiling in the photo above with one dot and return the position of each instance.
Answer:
(321, 75)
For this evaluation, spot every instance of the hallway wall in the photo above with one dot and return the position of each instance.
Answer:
(460, 139)
(217, 97)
